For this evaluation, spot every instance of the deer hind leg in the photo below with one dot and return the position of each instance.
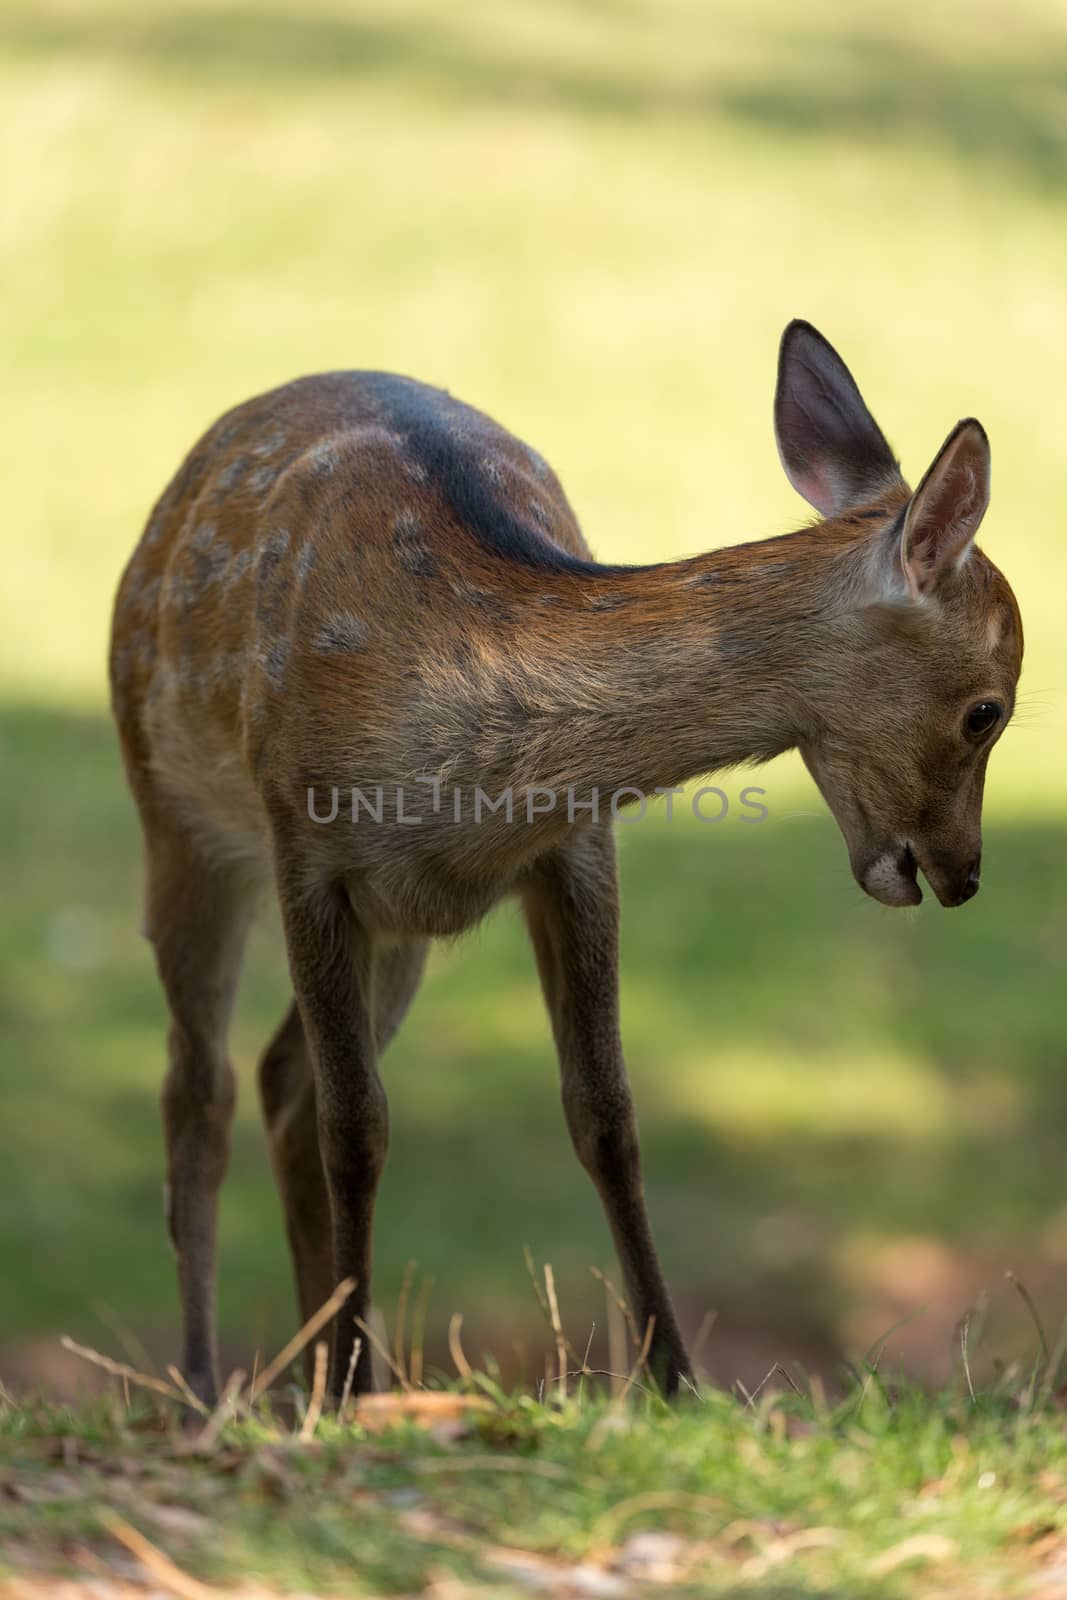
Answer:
(571, 905)
(287, 1092)
(197, 916)
(287, 1095)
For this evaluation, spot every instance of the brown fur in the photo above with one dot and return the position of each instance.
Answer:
(307, 609)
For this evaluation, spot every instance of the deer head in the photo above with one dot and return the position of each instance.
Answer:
(918, 681)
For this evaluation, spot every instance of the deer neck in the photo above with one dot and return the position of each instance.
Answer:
(657, 675)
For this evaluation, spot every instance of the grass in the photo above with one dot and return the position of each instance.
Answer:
(468, 1489)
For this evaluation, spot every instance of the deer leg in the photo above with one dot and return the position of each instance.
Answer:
(197, 918)
(332, 959)
(287, 1094)
(571, 905)
(287, 1091)
(397, 975)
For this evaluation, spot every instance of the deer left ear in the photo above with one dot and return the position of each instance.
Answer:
(946, 509)
(833, 451)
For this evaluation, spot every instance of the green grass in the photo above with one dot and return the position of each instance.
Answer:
(886, 1493)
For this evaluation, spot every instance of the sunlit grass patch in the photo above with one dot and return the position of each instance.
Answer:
(755, 1095)
(592, 1485)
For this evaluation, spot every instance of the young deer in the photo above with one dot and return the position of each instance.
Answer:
(357, 581)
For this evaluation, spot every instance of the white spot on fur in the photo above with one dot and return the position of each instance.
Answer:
(231, 473)
(262, 479)
(274, 545)
(305, 560)
(238, 567)
(140, 592)
(270, 441)
(322, 458)
(177, 593)
(274, 661)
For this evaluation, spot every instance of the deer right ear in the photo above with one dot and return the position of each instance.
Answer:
(833, 451)
(946, 509)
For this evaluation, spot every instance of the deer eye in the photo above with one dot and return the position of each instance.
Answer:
(982, 718)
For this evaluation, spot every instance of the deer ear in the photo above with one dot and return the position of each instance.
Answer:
(946, 509)
(833, 451)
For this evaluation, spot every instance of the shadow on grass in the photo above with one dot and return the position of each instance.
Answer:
(992, 108)
(846, 1112)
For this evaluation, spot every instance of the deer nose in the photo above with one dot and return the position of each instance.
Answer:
(972, 880)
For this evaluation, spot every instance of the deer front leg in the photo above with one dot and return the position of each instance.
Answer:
(287, 1092)
(331, 959)
(571, 905)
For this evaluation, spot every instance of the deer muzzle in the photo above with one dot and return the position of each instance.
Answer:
(891, 878)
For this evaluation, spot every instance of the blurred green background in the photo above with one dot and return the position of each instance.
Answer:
(592, 219)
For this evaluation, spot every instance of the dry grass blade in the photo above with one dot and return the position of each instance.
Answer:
(876, 1351)
(418, 1331)
(455, 1347)
(642, 1361)
(297, 1343)
(550, 1312)
(133, 1346)
(1028, 1301)
(774, 1372)
(965, 1328)
(617, 1378)
(618, 1340)
(161, 1568)
(318, 1393)
(400, 1329)
(703, 1334)
(527, 1256)
(177, 1377)
(584, 1370)
(350, 1376)
(383, 1350)
(122, 1369)
(208, 1436)
(557, 1330)
(619, 1302)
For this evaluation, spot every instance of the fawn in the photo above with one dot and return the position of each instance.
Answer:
(356, 582)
